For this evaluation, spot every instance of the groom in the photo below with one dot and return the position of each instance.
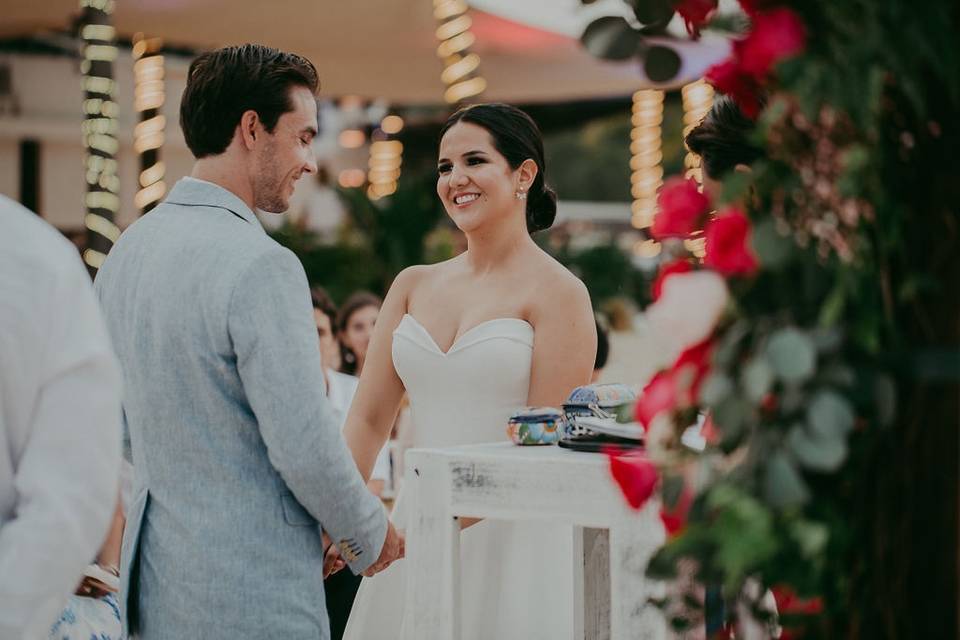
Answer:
(238, 460)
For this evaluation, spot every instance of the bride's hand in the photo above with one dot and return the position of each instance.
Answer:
(332, 562)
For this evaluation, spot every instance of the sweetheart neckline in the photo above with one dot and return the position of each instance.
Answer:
(463, 335)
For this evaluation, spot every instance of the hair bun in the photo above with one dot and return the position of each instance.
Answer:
(541, 209)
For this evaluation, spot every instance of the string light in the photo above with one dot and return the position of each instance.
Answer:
(697, 100)
(352, 138)
(148, 136)
(386, 157)
(99, 130)
(646, 171)
(460, 67)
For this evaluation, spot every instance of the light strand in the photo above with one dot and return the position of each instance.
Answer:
(386, 157)
(99, 130)
(148, 136)
(461, 73)
(697, 100)
(646, 155)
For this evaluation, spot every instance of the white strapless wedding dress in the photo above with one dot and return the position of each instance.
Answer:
(517, 578)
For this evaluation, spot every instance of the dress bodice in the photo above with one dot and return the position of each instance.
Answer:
(466, 394)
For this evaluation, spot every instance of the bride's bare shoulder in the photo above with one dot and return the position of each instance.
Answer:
(412, 277)
(554, 279)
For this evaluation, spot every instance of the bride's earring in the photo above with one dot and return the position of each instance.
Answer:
(520, 195)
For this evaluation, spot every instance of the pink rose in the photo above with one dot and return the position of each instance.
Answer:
(659, 396)
(728, 244)
(687, 311)
(729, 78)
(680, 205)
(690, 370)
(776, 35)
(636, 476)
(667, 270)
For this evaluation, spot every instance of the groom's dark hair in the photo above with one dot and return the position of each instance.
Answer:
(223, 84)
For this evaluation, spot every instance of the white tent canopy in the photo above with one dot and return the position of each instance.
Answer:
(385, 48)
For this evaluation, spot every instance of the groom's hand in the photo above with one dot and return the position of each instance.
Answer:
(393, 549)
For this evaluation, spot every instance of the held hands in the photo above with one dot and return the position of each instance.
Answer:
(393, 549)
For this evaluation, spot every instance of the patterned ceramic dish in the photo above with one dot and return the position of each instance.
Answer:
(536, 425)
(595, 401)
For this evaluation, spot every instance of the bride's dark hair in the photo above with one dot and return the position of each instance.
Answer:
(516, 137)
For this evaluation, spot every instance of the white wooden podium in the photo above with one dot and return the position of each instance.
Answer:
(509, 482)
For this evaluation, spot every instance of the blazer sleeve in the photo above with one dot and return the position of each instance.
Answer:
(274, 338)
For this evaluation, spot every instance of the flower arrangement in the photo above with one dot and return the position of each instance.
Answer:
(819, 332)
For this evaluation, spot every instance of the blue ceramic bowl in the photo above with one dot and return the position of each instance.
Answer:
(536, 426)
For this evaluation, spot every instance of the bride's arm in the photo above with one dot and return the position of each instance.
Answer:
(564, 342)
(380, 391)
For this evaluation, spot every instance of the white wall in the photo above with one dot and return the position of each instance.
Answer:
(48, 89)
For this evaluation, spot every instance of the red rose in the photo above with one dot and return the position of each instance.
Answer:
(776, 35)
(695, 14)
(658, 396)
(727, 77)
(788, 603)
(690, 370)
(635, 474)
(676, 387)
(709, 430)
(728, 244)
(677, 266)
(679, 208)
(752, 7)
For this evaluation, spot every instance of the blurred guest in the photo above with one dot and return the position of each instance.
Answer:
(341, 387)
(355, 326)
(325, 316)
(93, 610)
(59, 423)
(340, 589)
(603, 352)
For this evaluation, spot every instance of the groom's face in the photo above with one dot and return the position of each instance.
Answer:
(283, 156)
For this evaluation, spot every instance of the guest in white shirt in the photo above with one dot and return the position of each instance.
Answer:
(59, 423)
(342, 386)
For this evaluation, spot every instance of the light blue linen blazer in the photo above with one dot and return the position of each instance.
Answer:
(238, 458)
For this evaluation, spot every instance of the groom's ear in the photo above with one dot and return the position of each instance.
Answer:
(249, 128)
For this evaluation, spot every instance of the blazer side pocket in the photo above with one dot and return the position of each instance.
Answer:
(294, 513)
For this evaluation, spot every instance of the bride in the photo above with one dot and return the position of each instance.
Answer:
(472, 339)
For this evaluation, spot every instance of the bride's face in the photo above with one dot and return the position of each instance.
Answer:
(474, 182)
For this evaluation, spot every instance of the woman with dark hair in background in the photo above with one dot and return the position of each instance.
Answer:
(354, 328)
(501, 326)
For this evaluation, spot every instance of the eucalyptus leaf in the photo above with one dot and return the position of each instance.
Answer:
(792, 355)
(611, 37)
(810, 536)
(731, 417)
(715, 389)
(830, 415)
(783, 486)
(757, 379)
(772, 249)
(817, 452)
(661, 63)
(651, 12)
